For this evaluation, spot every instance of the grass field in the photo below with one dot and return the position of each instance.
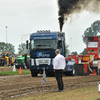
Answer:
(77, 94)
(13, 72)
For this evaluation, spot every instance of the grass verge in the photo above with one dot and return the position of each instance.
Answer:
(14, 72)
(77, 94)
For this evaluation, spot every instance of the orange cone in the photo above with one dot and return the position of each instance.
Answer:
(20, 71)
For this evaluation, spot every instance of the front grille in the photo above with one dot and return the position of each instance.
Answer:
(41, 61)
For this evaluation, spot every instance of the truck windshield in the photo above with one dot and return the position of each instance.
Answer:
(43, 44)
(92, 44)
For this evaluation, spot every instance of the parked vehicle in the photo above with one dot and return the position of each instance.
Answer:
(22, 61)
(8, 57)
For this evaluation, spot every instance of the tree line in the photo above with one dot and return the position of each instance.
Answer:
(8, 47)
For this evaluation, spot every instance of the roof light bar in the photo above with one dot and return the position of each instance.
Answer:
(43, 31)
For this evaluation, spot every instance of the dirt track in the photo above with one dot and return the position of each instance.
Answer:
(21, 85)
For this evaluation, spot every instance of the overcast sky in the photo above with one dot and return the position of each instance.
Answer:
(23, 17)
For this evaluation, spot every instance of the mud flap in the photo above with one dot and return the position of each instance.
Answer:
(79, 69)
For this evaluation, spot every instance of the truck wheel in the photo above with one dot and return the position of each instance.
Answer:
(70, 73)
(73, 72)
(98, 71)
(28, 63)
(34, 74)
(16, 67)
(23, 65)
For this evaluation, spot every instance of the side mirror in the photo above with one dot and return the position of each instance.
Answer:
(26, 44)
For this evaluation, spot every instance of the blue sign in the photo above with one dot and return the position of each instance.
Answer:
(41, 54)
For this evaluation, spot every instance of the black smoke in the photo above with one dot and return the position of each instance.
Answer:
(69, 7)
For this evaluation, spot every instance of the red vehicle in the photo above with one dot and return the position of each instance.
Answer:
(93, 46)
(88, 64)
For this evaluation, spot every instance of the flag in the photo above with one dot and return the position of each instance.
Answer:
(44, 77)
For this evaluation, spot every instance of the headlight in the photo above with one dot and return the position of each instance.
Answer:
(32, 62)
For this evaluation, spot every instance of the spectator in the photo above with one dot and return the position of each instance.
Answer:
(58, 66)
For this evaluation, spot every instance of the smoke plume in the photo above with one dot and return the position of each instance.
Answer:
(69, 7)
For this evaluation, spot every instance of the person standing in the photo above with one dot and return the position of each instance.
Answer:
(59, 64)
(5, 62)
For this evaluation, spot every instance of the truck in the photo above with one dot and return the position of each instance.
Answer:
(88, 64)
(42, 51)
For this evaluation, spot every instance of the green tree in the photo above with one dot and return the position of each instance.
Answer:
(22, 49)
(7, 47)
(74, 53)
(92, 31)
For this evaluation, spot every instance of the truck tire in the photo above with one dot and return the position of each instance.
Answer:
(72, 73)
(23, 65)
(28, 63)
(17, 67)
(79, 69)
(98, 71)
(34, 74)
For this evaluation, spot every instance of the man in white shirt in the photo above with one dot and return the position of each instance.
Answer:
(58, 66)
